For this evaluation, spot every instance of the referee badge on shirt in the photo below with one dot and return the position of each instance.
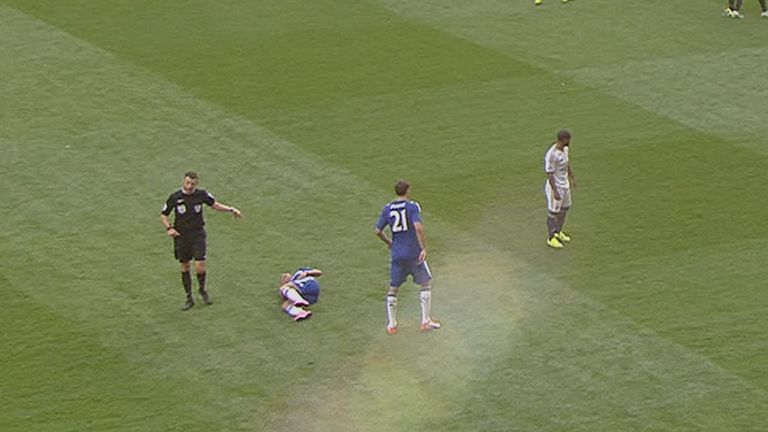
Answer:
(181, 209)
(198, 208)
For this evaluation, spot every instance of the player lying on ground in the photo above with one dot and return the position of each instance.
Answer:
(300, 290)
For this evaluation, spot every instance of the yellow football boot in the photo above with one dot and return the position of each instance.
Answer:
(554, 243)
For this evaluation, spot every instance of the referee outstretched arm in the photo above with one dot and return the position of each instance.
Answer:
(225, 208)
(188, 231)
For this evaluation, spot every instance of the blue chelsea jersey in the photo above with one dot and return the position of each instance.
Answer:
(299, 281)
(400, 216)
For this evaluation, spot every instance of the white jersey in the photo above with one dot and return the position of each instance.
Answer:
(556, 162)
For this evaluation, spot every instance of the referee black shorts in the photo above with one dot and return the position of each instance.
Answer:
(190, 245)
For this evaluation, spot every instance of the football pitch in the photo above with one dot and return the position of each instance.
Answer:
(303, 114)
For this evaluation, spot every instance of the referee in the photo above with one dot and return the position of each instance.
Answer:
(188, 231)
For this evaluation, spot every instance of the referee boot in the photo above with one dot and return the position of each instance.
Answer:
(206, 298)
(188, 305)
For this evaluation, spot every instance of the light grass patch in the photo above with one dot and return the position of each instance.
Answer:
(720, 94)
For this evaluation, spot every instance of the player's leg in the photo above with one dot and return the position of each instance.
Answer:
(736, 9)
(186, 282)
(565, 194)
(296, 312)
(202, 273)
(291, 294)
(200, 252)
(397, 275)
(764, 8)
(392, 309)
(183, 253)
(553, 211)
(423, 277)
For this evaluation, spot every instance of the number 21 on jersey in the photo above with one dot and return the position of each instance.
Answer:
(400, 222)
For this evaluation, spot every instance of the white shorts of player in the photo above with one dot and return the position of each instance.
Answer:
(553, 205)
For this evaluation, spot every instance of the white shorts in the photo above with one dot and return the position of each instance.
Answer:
(556, 206)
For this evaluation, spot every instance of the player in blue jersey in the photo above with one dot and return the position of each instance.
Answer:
(300, 290)
(409, 254)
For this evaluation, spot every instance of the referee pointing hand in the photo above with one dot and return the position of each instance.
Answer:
(188, 231)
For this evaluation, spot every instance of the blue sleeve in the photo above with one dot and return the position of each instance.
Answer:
(415, 213)
(383, 219)
(297, 273)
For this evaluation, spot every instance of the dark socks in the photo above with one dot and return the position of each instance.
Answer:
(763, 6)
(186, 280)
(201, 281)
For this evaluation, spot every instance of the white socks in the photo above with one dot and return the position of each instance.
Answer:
(425, 301)
(425, 297)
(294, 310)
(293, 295)
(392, 310)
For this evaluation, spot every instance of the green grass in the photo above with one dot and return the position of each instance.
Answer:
(303, 113)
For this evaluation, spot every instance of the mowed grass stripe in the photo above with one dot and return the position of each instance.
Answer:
(719, 94)
(56, 376)
(560, 38)
(284, 55)
(405, 354)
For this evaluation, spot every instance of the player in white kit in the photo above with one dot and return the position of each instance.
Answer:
(558, 188)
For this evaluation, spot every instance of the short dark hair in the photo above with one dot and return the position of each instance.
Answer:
(563, 135)
(401, 187)
(191, 174)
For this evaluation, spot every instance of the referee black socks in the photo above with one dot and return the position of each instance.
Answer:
(203, 292)
(186, 280)
(201, 281)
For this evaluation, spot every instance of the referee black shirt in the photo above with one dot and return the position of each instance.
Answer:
(188, 209)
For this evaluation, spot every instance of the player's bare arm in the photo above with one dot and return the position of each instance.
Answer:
(571, 177)
(312, 272)
(228, 209)
(551, 179)
(168, 227)
(384, 238)
(419, 227)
